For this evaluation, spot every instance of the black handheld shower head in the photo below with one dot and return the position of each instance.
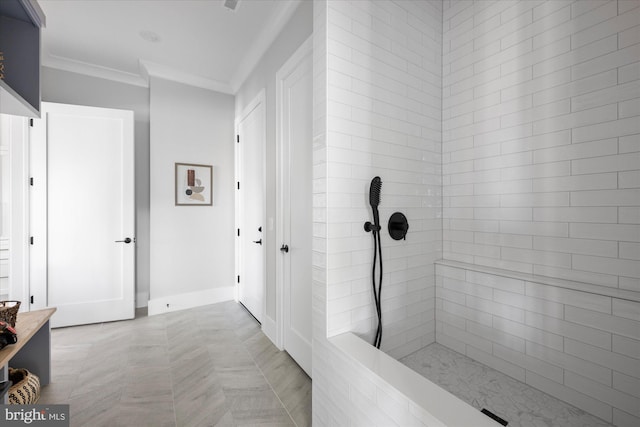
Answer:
(374, 201)
(374, 192)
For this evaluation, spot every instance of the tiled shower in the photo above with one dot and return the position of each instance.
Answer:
(508, 132)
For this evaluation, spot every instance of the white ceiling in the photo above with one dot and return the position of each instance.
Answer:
(200, 42)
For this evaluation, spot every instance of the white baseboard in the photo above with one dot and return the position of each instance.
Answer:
(189, 300)
(142, 299)
(271, 331)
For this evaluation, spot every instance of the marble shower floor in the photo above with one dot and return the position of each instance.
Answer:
(483, 387)
(210, 366)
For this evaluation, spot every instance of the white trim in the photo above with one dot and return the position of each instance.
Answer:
(259, 99)
(93, 70)
(270, 329)
(276, 23)
(14, 150)
(189, 300)
(166, 72)
(301, 53)
(146, 69)
(38, 212)
(35, 12)
(19, 239)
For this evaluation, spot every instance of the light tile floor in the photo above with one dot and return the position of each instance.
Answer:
(483, 387)
(209, 366)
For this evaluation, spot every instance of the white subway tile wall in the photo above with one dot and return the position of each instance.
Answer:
(580, 347)
(383, 99)
(541, 166)
(378, 96)
(508, 132)
(541, 137)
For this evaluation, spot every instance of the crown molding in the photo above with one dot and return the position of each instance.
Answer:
(148, 68)
(80, 67)
(266, 37)
(35, 12)
(277, 21)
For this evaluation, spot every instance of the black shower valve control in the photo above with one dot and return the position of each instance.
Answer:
(369, 226)
(398, 226)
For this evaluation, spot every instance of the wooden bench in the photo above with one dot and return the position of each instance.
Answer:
(33, 349)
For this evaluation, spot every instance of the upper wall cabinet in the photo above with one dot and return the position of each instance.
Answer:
(20, 24)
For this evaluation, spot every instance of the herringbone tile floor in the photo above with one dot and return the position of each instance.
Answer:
(209, 366)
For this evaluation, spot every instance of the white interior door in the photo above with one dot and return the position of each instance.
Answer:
(90, 231)
(296, 105)
(250, 208)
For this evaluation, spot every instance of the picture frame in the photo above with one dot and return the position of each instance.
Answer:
(193, 184)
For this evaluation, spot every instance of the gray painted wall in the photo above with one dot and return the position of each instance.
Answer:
(72, 88)
(191, 246)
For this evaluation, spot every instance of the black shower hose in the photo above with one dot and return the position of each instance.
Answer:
(377, 293)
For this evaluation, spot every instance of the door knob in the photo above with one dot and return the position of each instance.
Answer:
(126, 240)
(258, 241)
(285, 248)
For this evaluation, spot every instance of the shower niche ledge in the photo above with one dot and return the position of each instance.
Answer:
(545, 280)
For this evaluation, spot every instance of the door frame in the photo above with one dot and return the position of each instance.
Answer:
(301, 52)
(38, 199)
(259, 99)
(17, 132)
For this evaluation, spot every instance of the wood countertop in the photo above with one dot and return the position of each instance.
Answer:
(27, 324)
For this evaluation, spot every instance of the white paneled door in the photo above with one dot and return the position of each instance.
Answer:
(250, 207)
(89, 244)
(295, 99)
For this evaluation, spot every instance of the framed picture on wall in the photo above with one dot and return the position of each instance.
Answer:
(194, 185)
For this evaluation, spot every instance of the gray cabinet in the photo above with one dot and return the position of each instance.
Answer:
(20, 24)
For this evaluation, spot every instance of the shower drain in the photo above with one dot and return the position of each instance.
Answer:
(496, 418)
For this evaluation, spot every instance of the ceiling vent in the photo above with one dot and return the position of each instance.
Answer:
(231, 4)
